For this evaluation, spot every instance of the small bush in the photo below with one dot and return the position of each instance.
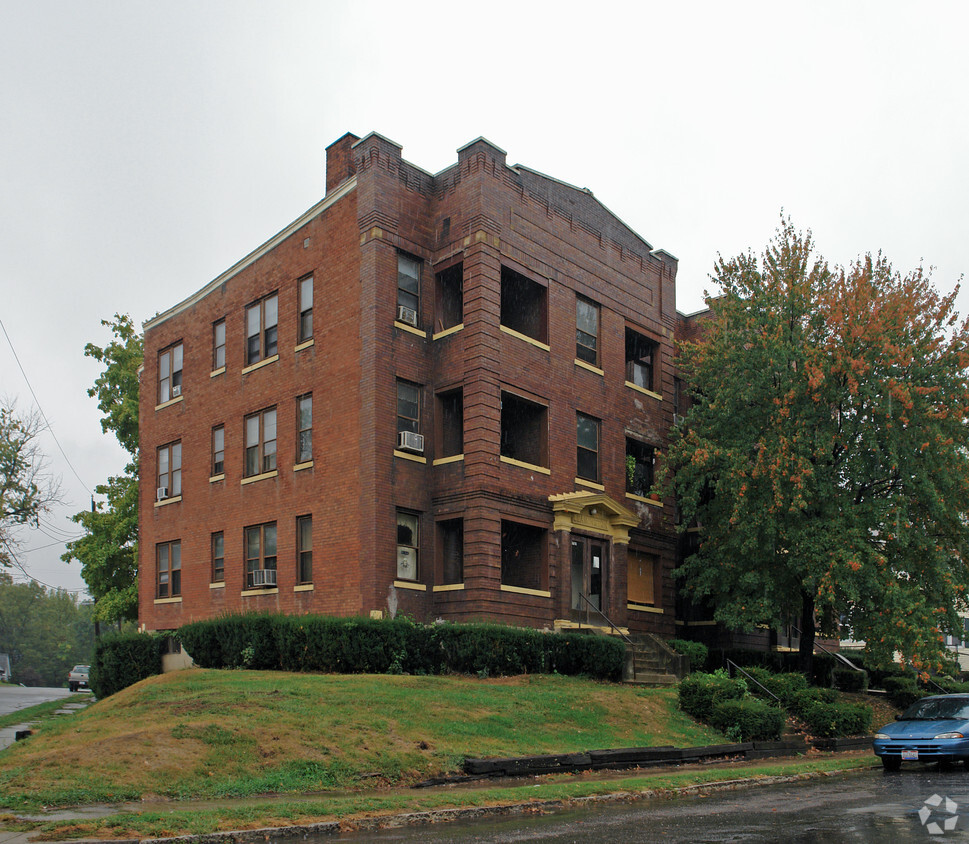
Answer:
(782, 686)
(837, 719)
(749, 719)
(123, 659)
(696, 652)
(850, 681)
(806, 698)
(699, 692)
(903, 691)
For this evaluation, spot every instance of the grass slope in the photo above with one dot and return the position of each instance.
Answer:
(204, 734)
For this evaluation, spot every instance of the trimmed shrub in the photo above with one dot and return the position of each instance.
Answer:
(122, 659)
(903, 691)
(698, 693)
(399, 646)
(806, 698)
(783, 686)
(749, 719)
(837, 719)
(850, 681)
(696, 652)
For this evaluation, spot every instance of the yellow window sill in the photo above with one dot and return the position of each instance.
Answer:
(521, 590)
(217, 478)
(303, 587)
(644, 499)
(590, 484)
(176, 600)
(299, 467)
(406, 584)
(538, 344)
(248, 593)
(447, 332)
(216, 372)
(217, 585)
(644, 608)
(256, 478)
(522, 465)
(403, 326)
(169, 403)
(413, 457)
(449, 587)
(260, 364)
(441, 461)
(644, 391)
(583, 365)
(165, 501)
(305, 345)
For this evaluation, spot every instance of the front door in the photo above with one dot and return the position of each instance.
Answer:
(588, 579)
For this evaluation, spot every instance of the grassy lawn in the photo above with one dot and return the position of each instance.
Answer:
(238, 734)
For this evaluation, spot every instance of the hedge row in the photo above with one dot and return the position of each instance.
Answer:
(123, 659)
(368, 646)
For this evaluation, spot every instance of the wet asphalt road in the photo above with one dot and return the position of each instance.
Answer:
(863, 807)
(13, 698)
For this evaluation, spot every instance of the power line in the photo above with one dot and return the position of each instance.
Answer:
(50, 428)
(13, 558)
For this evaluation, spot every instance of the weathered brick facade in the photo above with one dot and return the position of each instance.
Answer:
(506, 529)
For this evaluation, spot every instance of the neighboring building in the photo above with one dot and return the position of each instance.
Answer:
(5, 675)
(437, 395)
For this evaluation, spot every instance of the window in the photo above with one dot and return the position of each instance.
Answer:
(218, 345)
(168, 557)
(304, 428)
(261, 442)
(449, 285)
(218, 557)
(170, 471)
(170, 373)
(523, 555)
(451, 543)
(408, 407)
(218, 450)
(639, 467)
(261, 336)
(261, 555)
(587, 331)
(587, 447)
(304, 549)
(641, 577)
(524, 430)
(306, 309)
(640, 360)
(524, 305)
(451, 418)
(408, 289)
(408, 542)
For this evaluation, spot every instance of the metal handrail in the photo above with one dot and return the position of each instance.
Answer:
(736, 667)
(622, 635)
(835, 654)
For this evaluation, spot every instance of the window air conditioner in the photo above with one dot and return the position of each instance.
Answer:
(409, 441)
(176, 390)
(408, 315)
(161, 493)
(264, 577)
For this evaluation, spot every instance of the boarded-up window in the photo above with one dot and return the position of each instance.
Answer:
(641, 578)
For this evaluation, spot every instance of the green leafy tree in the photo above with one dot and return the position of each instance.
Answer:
(44, 631)
(27, 491)
(825, 456)
(108, 551)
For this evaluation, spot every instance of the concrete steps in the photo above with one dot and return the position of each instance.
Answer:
(649, 662)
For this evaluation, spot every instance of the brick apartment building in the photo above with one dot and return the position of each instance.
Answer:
(437, 395)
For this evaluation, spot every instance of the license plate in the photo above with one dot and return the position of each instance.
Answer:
(910, 755)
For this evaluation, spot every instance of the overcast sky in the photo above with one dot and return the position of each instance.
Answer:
(146, 147)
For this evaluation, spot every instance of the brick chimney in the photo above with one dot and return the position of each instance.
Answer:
(339, 161)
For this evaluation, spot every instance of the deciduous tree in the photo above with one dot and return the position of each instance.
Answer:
(825, 456)
(26, 488)
(108, 550)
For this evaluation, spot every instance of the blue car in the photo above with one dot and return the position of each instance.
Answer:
(933, 729)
